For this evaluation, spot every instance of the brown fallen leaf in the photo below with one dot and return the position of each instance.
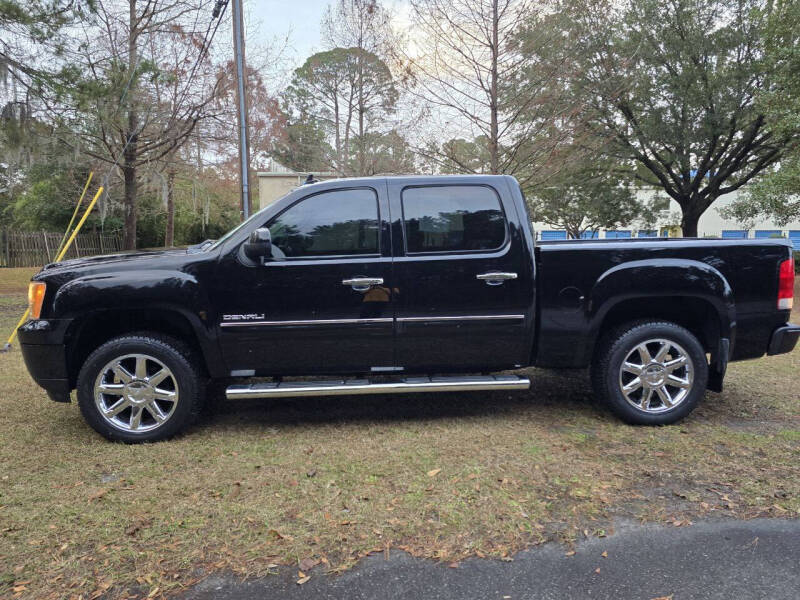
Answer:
(604, 554)
(98, 494)
(137, 525)
(308, 563)
(453, 565)
(302, 580)
(569, 553)
(664, 597)
(597, 570)
(434, 472)
(237, 487)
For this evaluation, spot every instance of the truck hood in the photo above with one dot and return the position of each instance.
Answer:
(110, 260)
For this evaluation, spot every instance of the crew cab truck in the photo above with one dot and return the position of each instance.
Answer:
(398, 285)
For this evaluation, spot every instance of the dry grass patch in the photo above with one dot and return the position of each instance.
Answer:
(444, 476)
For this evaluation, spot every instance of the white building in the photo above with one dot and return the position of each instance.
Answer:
(712, 223)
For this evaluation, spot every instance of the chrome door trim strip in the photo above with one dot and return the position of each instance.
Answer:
(306, 322)
(372, 321)
(464, 318)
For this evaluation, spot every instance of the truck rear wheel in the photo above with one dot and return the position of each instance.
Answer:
(650, 373)
(140, 388)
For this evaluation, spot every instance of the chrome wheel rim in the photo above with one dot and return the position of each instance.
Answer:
(136, 393)
(656, 376)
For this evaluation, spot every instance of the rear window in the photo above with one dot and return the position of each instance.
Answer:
(452, 218)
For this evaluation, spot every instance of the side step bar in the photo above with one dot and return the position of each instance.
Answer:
(350, 387)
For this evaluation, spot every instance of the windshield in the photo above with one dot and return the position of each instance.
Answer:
(239, 227)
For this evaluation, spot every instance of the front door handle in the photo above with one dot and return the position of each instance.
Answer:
(495, 278)
(362, 284)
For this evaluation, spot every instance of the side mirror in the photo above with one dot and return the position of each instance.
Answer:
(259, 246)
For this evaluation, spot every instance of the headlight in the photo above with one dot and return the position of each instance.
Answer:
(35, 298)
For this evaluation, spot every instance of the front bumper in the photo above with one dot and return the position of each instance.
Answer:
(44, 351)
(783, 339)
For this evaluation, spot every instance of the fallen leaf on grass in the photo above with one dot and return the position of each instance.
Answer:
(97, 495)
(278, 535)
(308, 563)
(434, 472)
(137, 525)
(237, 487)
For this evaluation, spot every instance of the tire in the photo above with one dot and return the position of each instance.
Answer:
(149, 375)
(658, 391)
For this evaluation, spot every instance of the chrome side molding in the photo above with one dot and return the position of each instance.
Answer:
(354, 387)
(463, 318)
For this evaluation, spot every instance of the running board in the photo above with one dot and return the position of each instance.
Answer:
(352, 387)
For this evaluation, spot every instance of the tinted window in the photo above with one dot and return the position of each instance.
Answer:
(451, 218)
(331, 223)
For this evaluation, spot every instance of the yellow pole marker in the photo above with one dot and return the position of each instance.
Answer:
(58, 259)
(79, 225)
(14, 333)
(75, 212)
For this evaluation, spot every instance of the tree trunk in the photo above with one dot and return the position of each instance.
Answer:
(130, 152)
(129, 205)
(169, 237)
(493, 134)
(689, 221)
(362, 167)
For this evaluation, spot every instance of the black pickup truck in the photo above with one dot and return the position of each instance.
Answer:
(397, 285)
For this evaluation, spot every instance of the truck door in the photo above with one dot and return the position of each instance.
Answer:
(324, 303)
(464, 278)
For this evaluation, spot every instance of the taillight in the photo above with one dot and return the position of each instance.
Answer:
(35, 298)
(786, 285)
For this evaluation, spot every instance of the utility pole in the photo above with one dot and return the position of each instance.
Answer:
(241, 106)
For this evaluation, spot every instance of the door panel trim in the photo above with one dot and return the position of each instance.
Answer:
(307, 322)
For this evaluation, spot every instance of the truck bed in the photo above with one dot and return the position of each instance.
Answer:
(571, 273)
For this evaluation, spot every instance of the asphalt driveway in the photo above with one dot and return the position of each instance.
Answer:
(723, 559)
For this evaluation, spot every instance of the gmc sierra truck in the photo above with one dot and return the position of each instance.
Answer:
(396, 285)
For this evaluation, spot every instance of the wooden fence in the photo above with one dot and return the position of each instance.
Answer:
(36, 248)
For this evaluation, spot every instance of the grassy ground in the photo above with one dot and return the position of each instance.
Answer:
(328, 481)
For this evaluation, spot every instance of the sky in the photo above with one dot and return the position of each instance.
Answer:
(268, 20)
(273, 19)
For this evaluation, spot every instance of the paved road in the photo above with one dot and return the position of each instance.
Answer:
(726, 560)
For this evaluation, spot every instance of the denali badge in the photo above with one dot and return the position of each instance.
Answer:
(250, 317)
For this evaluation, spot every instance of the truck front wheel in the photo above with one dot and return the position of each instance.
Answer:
(650, 373)
(140, 388)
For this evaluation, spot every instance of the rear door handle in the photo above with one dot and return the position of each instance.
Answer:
(362, 284)
(495, 278)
